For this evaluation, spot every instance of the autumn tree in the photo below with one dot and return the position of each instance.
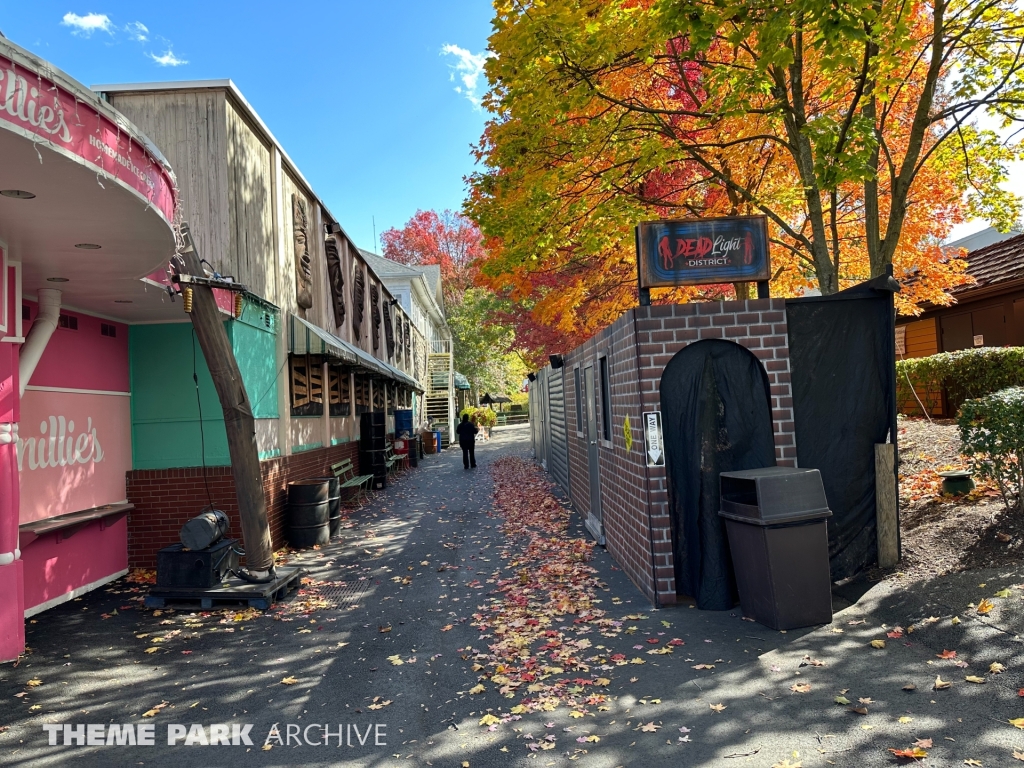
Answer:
(484, 344)
(851, 126)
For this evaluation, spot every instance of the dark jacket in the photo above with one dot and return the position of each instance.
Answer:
(467, 433)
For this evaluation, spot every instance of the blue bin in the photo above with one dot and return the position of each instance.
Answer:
(437, 437)
(403, 420)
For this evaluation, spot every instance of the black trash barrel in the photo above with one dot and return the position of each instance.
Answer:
(775, 519)
(308, 519)
(334, 502)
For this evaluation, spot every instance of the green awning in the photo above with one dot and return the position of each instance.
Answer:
(307, 339)
(304, 338)
(461, 382)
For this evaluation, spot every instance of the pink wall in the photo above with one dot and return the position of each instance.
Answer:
(83, 359)
(74, 451)
(55, 565)
(9, 410)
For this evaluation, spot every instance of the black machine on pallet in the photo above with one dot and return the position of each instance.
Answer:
(178, 566)
(202, 571)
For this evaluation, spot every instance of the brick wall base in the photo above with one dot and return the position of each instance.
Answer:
(165, 499)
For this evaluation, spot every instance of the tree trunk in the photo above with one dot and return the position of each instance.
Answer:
(238, 419)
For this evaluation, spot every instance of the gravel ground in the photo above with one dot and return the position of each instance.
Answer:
(943, 534)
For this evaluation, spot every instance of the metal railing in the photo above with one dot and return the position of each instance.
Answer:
(441, 347)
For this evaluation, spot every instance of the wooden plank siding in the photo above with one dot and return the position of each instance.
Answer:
(922, 340)
(190, 128)
(250, 206)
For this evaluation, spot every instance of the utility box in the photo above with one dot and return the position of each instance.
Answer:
(196, 568)
(776, 523)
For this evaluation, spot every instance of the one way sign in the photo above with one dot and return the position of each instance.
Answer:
(653, 439)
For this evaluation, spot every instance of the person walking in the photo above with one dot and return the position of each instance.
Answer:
(467, 441)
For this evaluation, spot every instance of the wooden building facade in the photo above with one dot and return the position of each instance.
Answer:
(319, 337)
(987, 313)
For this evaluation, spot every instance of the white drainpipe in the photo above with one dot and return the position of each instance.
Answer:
(42, 329)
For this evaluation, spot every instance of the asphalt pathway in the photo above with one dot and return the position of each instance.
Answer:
(379, 647)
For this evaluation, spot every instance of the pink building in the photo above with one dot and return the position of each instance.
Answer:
(86, 209)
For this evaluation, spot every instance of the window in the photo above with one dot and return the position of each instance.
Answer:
(579, 398)
(340, 391)
(106, 329)
(67, 321)
(362, 394)
(606, 401)
(307, 385)
(378, 395)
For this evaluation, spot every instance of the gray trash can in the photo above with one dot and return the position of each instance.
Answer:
(775, 518)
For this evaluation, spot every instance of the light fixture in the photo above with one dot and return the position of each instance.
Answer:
(88, 246)
(17, 194)
(557, 361)
(123, 301)
(57, 280)
(332, 227)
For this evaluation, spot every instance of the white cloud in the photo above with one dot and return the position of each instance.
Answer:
(167, 59)
(468, 68)
(86, 25)
(137, 31)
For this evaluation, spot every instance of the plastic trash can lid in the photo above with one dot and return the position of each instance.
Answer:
(774, 494)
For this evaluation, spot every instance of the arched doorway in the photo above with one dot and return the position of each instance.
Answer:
(717, 417)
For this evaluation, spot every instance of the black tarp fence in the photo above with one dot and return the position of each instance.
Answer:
(716, 417)
(843, 367)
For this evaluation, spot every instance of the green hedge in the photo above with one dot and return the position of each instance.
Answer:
(992, 436)
(968, 373)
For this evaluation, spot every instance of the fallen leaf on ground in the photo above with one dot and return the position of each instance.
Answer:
(985, 606)
(974, 679)
(946, 655)
(489, 720)
(800, 687)
(649, 727)
(1003, 593)
(878, 643)
(940, 684)
(152, 712)
(1017, 723)
(289, 681)
(787, 764)
(923, 743)
(1018, 755)
(841, 700)
(717, 707)
(909, 687)
(154, 649)
(972, 762)
(859, 710)
(33, 683)
(914, 753)
(477, 688)
(905, 719)
(995, 668)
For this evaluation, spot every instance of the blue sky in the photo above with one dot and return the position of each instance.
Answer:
(368, 98)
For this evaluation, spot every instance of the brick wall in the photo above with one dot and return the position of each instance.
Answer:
(165, 499)
(634, 498)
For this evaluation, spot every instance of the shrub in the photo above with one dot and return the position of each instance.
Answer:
(992, 436)
(968, 373)
(483, 417)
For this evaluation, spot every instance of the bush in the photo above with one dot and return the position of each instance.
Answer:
(482, 417)
(992, 436)
(968, 373)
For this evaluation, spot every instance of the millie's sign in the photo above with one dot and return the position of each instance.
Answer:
(701, 251)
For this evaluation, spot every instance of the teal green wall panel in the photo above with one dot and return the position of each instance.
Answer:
(256, 350)
(165, 414)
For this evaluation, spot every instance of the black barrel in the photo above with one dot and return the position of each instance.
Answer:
(308, 519)
(334, 502)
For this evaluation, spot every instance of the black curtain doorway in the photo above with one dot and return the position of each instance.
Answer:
(716, 417)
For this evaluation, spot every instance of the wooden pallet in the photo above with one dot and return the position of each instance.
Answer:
(234, 592)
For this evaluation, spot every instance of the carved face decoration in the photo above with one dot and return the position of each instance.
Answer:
(303, 270)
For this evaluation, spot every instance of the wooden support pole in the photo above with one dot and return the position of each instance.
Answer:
(887, 518)
(238, 419)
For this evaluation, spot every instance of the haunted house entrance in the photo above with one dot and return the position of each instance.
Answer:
(716, 413)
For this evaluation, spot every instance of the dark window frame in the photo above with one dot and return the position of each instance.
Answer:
(606, 399)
